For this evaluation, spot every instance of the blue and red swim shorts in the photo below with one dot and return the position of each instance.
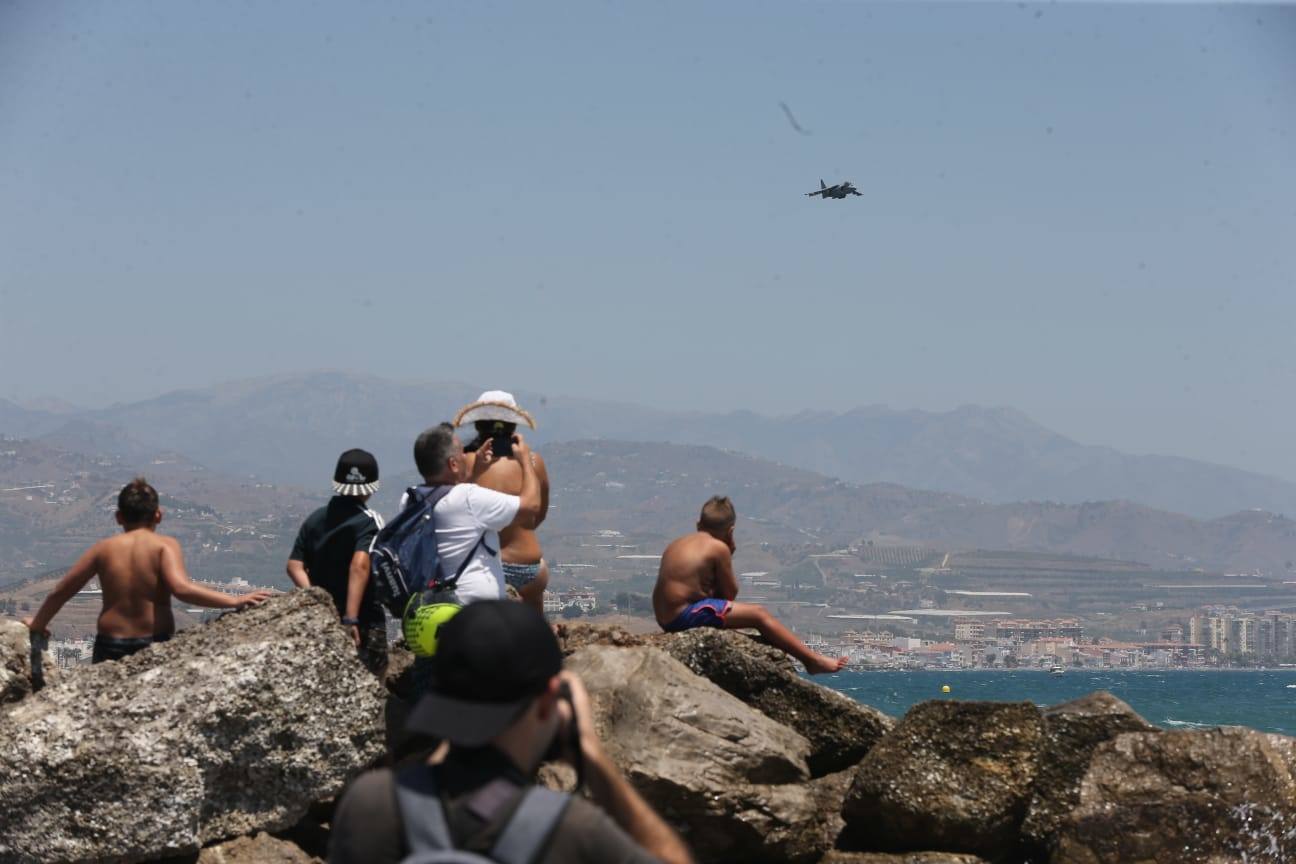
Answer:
(704, 613)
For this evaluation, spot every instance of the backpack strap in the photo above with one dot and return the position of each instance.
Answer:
(420, 808)
(529, 827)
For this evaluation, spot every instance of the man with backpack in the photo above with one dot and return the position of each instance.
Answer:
(443, 546)
(332, 551)
(505, 705)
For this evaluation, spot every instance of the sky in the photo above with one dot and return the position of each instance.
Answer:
(1084, 211)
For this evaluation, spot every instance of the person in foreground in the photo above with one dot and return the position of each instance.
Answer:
(495, 416)
(332, 551)
(503, 702)
(139, 571)
(696, 587)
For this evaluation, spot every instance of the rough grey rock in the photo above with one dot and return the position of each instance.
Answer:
(731, 779)
(230, 728)
(15, 662)
(1220, 795)
(1071, 732)
(839, 729)
(953, 776)
(839, 857)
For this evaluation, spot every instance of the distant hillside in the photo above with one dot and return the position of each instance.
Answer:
(290, 428)
(235, 526)
(659, 488)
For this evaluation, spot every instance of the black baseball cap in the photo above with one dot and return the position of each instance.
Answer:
(492, 660)
(356, 473)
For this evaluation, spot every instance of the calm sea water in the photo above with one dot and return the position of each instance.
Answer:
(1264, 700)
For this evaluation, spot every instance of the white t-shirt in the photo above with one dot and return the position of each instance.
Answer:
(466, 513)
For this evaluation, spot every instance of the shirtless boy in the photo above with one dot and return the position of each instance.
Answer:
(496, 415)
(139, 571)
(696, 587)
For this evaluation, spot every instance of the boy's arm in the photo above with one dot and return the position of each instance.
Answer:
(726, 581)
(179, 584)
(72, 582)
(297, 573)
(357, 581)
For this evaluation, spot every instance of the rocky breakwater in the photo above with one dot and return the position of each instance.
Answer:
(229, 729)
(1083, 782)
(225, 737)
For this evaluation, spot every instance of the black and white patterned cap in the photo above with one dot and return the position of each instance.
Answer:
(356, 474)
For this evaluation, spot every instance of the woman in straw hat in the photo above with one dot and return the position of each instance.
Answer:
(495, 416)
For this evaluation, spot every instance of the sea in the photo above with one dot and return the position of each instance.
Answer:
(1174, 699)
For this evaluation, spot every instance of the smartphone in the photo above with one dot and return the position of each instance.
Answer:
(502, 441)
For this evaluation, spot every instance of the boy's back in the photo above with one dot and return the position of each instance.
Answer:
(136, 600)
(692, 569)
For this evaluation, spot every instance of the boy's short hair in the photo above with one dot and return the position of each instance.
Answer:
(433, 448)
(137, 502)
(717, 515)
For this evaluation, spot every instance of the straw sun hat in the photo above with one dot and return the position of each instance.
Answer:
(494, 405)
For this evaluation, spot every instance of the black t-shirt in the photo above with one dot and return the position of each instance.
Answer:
(327, 540)
(367, 826)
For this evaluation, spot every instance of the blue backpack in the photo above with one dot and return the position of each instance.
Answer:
(403, 560)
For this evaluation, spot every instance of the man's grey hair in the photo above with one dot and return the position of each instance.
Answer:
(433, 448)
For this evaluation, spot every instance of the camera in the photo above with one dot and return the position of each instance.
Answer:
(502, 441)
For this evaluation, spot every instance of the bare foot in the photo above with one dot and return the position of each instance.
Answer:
(822, 665)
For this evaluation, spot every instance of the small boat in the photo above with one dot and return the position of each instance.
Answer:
(1056, 669)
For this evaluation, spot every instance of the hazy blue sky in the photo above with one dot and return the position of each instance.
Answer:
(1084, 211)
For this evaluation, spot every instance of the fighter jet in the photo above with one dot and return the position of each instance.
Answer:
(841, 190)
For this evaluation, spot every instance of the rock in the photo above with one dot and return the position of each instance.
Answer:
(15, 662)
(839, 729)
(1071, 732)
(258, 849)
(731, 779)
(658, 718)
(574, 636)
(838, 857)
(954, 776)
(228, 729)
(1159, 797)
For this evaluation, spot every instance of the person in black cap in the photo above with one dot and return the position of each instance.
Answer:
(502, 700)
(332, 551)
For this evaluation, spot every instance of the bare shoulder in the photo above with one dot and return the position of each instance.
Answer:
(167, 542)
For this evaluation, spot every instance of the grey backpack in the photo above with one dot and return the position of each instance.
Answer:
(428, 836)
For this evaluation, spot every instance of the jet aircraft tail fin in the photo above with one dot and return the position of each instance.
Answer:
(822, 185)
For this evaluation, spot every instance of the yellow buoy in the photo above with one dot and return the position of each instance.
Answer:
(945, 688)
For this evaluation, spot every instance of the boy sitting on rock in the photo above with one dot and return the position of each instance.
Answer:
(696, 587)
(139, 570)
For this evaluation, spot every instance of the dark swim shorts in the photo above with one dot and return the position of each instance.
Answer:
(118, 648)
(703, 613)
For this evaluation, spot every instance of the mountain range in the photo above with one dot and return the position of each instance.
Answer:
(290, 428)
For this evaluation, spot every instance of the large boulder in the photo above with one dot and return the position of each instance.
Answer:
(15, 662)
(839, 729)
(228, 729)
(732, 780)
(1184, 797)
(1071, 732)
(953, 776)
